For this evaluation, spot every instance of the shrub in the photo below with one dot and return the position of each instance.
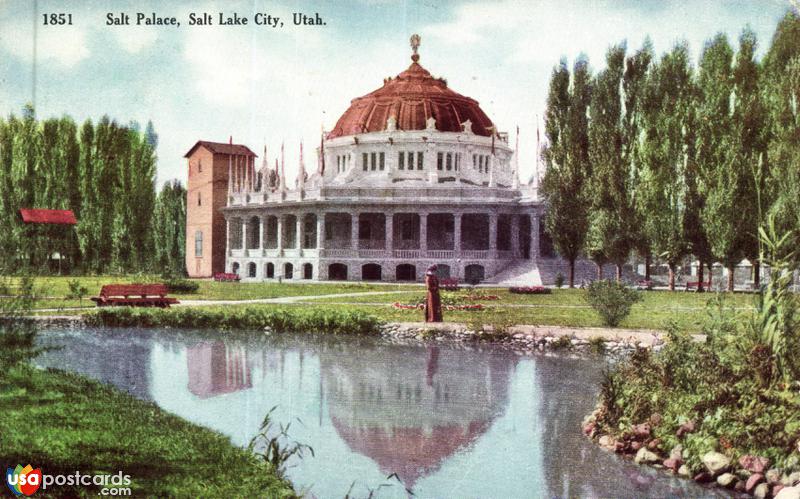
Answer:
(529, 290)
(246, 318)
(597, 344)
(182, 286)
(562, 342)
(611, 300)
(559, 280)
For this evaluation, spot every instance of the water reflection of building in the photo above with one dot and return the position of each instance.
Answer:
(409, 413)
(216, 368)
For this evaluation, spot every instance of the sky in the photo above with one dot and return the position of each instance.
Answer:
(268, 86)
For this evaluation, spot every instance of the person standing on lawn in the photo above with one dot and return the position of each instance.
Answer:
(433, 302)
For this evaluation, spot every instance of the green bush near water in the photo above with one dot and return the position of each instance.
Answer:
(740, 387)
(320, 320)
(611, 300)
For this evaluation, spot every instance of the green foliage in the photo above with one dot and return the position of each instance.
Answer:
(274, 446)
(77, 291)
(17, 335)
(611, 300)
(561, 343)
(740, 386)
(597, 344)
(182, 286)
(567, 159)
(559, 280)
(107, 430)
(105, 173)
(317, 320)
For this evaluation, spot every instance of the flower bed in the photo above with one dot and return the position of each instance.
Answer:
(420, 306)
(530, 290)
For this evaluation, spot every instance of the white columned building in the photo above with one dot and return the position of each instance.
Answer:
(412, 174)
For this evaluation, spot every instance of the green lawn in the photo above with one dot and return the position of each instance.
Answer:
(54, 289)
(63, 422)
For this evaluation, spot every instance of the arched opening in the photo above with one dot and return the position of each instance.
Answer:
(337, 272)
(235, 241)
(308, 271)
(288, 270)
(235, 268)
(371, 272)
(473, 274)
(269, 271)
(251, 269)
(443, 271)
(406, 272)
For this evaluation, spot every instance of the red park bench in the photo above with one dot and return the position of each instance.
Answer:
(693, 285)
(226, 277)
(449, 284)
(134, 295)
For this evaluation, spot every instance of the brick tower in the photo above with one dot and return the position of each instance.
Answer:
(211, 165)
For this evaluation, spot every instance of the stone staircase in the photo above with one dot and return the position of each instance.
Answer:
(544, 271)
(519, 273)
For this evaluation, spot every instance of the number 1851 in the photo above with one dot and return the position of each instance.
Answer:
(57, 19)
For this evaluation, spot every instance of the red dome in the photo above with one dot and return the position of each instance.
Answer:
(412, 97)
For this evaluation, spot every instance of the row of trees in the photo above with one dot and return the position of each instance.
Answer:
(657, 157)
(104, 173)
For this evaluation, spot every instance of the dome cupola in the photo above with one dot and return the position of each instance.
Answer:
(412, 98)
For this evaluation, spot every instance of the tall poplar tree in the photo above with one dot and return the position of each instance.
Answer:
(667, 107)
(722, 176)
(567, 158)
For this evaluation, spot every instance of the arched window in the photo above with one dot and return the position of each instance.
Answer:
(406, 272)
(443, 271)
(371, 272)
(288, 271)
(269, 270)
(337, 272)
(308, 271)
(251, 269)
(235, 268)
(474, 274)
(198, 243)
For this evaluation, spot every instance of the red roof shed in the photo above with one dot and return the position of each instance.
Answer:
(42, 216)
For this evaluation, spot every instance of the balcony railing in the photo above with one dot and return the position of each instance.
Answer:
(372, 253)
(478, 254)
(408, 253)
(443, 254)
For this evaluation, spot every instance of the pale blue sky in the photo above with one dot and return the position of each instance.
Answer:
(265, 85)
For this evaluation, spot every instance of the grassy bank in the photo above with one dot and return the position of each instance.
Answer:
(62, 422)
(706, 408)
(53, 290)
(278, 319)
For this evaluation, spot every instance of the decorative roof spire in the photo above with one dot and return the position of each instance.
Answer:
(415, 40)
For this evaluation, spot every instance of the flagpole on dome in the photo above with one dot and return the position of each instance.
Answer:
(283, 169)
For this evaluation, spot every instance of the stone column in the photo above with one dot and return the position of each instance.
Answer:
(354, 231)
(390, 234)
(493, 235)
(261, 233)
(515, 235)
(244, 236)
(300, 233)
(279, 235)
(228, 237)
(423, 233)
(320, 231)
(457, 234)
(535, 251)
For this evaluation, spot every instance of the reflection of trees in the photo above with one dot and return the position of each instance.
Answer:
(410, 412)
(216, 368)
(119, 359)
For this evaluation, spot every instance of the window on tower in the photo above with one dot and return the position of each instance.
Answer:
(199, 200)
(439, 161)
(198, 243)
(382, 161)
(364, 162)
(401, 161)
(419, 160)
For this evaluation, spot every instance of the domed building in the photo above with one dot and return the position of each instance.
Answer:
(412, 174)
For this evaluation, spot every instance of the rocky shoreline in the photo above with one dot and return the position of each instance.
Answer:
(529, 339)
(749, 476)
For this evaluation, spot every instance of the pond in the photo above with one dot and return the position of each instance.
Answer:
(442, 420)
